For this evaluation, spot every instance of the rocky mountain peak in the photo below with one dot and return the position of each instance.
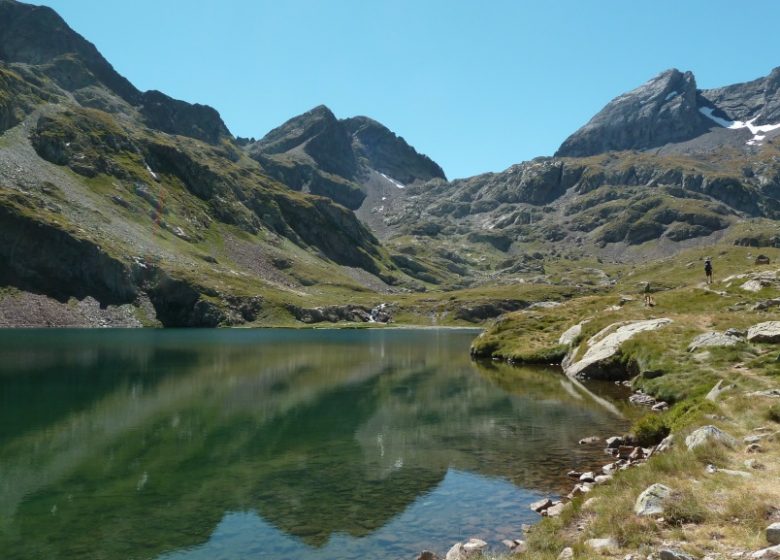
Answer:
(661, 111)
(382, 150)
(38, 35)
(757, 99)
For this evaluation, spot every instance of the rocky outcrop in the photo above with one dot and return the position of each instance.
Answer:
(339, 313)
(602, 356)
(185, 119)
(660, 111)
(764, 332)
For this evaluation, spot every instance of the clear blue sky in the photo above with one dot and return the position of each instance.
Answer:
(476, 84)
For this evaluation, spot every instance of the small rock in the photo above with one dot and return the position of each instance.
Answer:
(555, 510)
(651, 501)
(742, 474)
(516, 546)
(614, 442)
(575, 475)
(566, 554)
(541, 505)
(716, 391)
(756, 465)
(773, 533)
(590, 503)
(608, 543)
(601, 479)
(588, 477)
(670, 554)
(762, 260)
(659, 406)
(771, 553)
(754, 439)
(427, 555)
(589, 440)
(474, 547)
(666, 444)
(625, 451)
(709, 434)
(754, 448)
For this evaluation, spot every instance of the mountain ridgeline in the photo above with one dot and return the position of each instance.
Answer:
(146, 210)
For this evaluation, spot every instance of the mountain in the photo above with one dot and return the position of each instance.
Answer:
(661, 168)
(149, 208)
(318, 153)
(669, 109)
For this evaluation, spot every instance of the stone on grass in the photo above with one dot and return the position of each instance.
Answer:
(771, 553)
(608, 543)
(671, 554)
(773, 533)
(756, 465)
(652, 500)
(707, 435)
(717, 390)
(764, 332)
(566, 554)
(666, 444)
(712, 339)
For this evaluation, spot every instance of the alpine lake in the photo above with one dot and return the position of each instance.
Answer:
(278, 444)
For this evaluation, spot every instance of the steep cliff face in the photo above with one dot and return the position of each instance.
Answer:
(659, 112)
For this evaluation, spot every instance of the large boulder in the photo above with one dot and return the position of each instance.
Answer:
(707, 435)
(652, 500)
(602, 357)
(764, 332)
(710, 339)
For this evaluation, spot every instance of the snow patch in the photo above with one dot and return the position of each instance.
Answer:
(671, 94)
(755, 130)
(152, 173)
(396, 183)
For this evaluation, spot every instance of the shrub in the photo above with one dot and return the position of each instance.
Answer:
(773, 413)
(650, 429)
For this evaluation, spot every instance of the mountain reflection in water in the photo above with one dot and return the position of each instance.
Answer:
(275, 443)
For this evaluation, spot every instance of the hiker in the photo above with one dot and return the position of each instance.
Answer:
(708, 269)
(648, 299)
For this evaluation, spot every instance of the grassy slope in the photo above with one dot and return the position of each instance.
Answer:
(713, 513)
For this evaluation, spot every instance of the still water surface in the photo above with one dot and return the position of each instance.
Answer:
(276, 444)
